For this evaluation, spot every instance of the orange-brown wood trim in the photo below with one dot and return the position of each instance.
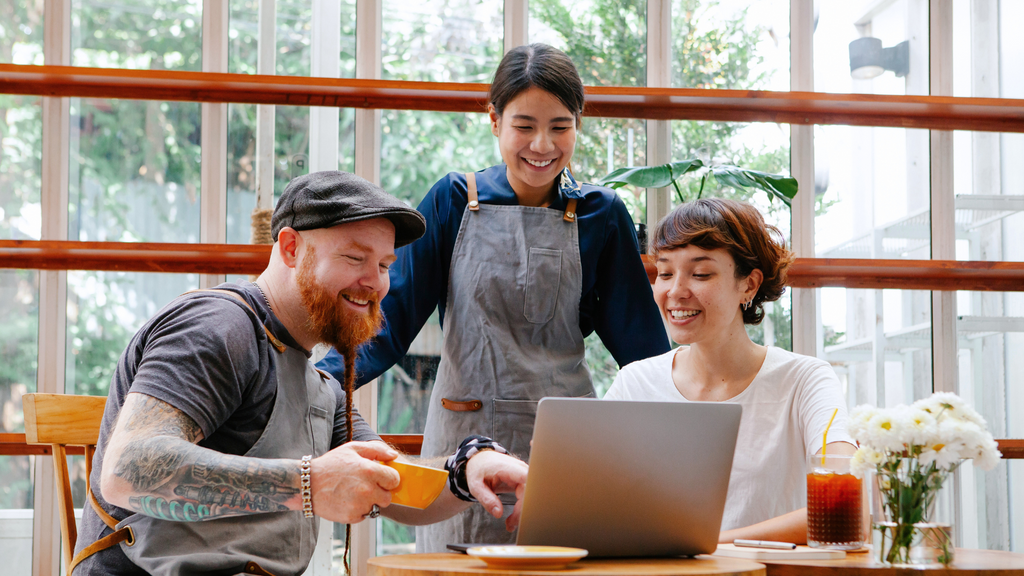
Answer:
(923, 112)
(898, 274)
(410, 444)
(134, 257)
(252, 259)
(14, 445)
(1011, 449)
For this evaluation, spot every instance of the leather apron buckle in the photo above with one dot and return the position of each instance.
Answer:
(465, 406)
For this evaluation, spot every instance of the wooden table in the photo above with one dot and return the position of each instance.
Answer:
(459, 564)
(966, 562)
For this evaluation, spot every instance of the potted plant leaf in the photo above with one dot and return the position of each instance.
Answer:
(775, 185)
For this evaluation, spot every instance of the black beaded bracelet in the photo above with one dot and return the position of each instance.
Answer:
(456, 464)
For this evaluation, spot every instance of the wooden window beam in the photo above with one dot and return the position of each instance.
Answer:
(920, 112)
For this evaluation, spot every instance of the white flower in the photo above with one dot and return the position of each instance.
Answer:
(948, 405)
(857, 423)
(920, 426)
(865, 460)
(945, 456)
(987, 454)
(887, 431)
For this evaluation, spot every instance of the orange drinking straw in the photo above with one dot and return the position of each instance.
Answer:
(824, 437)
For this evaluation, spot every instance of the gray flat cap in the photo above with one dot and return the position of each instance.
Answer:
(329, 198)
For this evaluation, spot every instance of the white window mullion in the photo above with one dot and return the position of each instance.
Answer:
(369, 21)
(325, 51)
(943, 240)
(659, 75)
(214, 138)
(53, 284)
(805, 317)
(266, 64)
(517, 22)
(945, 371)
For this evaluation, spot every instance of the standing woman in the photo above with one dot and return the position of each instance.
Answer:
(522, 263)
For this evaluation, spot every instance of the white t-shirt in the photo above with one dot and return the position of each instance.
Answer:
(785, 411)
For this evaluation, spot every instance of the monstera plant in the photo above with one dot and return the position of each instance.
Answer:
(777, 186)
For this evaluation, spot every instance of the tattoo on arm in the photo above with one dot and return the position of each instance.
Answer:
(173, 479)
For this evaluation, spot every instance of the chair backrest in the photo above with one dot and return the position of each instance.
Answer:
(62, 420)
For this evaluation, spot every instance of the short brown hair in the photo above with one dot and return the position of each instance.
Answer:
(739, 228)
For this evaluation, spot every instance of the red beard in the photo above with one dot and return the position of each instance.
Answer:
(330, 320)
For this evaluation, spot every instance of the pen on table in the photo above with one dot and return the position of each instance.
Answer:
(765, 544)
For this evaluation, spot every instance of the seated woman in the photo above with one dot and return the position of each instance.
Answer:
(718, 263)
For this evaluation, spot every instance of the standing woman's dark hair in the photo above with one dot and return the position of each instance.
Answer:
(542, 66)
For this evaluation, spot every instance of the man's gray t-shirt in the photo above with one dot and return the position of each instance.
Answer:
(208, 356)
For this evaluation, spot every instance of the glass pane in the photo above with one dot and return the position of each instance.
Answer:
(105, 309)
(291, 137)
(137, 34)
(879, 343)
(869, 47)
(872, 193)
(19, 343)
(16, 493)
(606, 39)
(135, 171)
(730, 44)
(21, 167)
(988, 184)
(990, 328)
(21, 33)
(442, 40)
(293, 35)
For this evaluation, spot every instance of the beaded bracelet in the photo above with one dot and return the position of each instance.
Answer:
(307, 491)
(456, 464)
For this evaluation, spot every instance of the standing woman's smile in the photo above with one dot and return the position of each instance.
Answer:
(536, 136)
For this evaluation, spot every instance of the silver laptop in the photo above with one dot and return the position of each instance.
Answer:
(622, 478)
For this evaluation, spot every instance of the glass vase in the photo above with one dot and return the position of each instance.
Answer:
(910, 524)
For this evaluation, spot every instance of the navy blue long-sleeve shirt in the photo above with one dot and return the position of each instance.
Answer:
(617, 300)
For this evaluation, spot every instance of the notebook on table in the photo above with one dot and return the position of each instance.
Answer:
(625, 478)
(799, 553)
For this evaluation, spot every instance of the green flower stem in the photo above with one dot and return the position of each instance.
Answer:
(908, 500)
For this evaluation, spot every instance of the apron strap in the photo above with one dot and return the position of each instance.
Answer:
(125, 534)
(277, 344)
(109, 541)
(570, 211)
(474, 201)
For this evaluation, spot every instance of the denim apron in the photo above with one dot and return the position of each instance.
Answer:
(277, 543)
(511, 336)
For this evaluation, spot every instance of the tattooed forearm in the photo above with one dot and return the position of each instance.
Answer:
(148, 463)
(158, 418)
(173, 479)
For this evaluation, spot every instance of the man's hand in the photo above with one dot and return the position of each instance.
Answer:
(488, 474)
(347, 481)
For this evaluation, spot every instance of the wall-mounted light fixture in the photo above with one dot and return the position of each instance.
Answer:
(868, 59)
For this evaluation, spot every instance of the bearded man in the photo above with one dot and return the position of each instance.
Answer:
(221, 444)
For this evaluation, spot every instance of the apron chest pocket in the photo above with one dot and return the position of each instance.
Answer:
(543, 273)
(512, 425)
(321, 426)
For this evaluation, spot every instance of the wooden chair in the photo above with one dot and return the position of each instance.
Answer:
(62, 420)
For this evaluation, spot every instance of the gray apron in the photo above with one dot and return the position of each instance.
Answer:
(511, 337)
(280, 543)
